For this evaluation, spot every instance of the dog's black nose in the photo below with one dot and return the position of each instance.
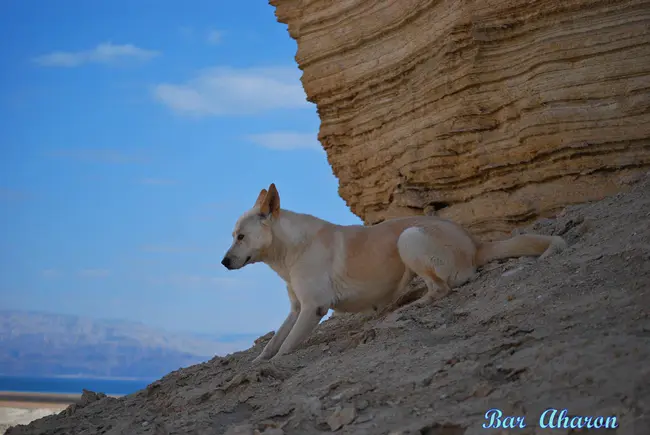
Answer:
(226, 262)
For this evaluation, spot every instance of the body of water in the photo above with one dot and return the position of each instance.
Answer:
(71, 385)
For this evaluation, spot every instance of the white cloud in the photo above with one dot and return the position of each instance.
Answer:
(214, 37)
(106, 53)
(94, 273)
(231, 91)
(286, 140)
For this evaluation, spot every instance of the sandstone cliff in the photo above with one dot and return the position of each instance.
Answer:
(571, 331)
(487, 112)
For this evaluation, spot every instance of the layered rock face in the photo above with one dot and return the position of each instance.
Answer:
(487, 112)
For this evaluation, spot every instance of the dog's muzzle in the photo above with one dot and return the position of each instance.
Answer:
(226, 263)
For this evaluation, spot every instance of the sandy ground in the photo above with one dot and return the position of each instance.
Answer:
(22, 408)
(12, 413)
(27, 398)
(570, 331)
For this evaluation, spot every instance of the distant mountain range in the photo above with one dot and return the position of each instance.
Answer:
(42, 344)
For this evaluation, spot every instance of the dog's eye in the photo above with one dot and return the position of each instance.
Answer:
(240, 237)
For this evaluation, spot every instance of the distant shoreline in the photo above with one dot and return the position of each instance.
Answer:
(23, 399)
(81, 376)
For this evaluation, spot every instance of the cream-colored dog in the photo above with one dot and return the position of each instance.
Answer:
(358, 268)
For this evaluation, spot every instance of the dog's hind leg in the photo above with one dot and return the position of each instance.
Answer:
(400, 294)
(430, 259)
(436, 289)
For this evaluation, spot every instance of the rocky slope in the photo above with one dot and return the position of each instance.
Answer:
(488, 112)
(571, 331)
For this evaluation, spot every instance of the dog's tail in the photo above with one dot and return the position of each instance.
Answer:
(519, 246)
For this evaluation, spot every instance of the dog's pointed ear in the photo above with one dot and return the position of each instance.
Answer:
(271, 203)
(260, 198)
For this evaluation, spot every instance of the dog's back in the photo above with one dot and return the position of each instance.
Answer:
(369, 268)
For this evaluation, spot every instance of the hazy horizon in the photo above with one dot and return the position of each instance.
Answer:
(46, 345)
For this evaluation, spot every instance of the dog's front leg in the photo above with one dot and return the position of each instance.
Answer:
(280, 335)
(308, 318)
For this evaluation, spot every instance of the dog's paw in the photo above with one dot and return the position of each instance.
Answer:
(275, 358)
(261, 358)
(558, 244)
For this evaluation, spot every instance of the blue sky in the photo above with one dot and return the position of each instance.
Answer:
(133, 135)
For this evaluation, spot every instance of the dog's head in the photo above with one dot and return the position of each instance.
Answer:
(252, 235)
